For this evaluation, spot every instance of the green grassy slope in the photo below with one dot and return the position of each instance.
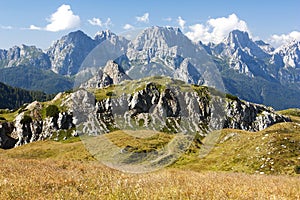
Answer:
(275, 150)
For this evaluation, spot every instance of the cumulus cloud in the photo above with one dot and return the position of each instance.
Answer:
(215, 30)
(98, 22)
(95, 22)
(128, 27)
(63, 19)
(181, 23)
(144, 18)
(278, 40)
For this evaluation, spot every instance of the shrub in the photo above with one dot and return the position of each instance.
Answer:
(110, 94)
(232, 97)
(2, 118)
(26, 120)
(52, 111)
(141, 122)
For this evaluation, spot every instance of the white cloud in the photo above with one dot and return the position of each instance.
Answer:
(108, 23)
(144, 18)
(215, 30)
(168, 19)
(33, 27)
(98, 22)
(63, 19)
(199, 32)
(278, 40)
(128, 27)
(181, 23)
(95, 22)
(6, 27)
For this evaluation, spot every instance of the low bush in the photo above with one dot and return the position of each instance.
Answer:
(52, 111)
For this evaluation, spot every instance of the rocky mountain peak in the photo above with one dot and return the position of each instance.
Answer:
(240, 40)
(166, 51)
(112, 67)
(24, 56)
(265, 46)
(68, 53)
(291, 54)
(160, 37)
(104, 35)
(237, 37)
(112, 73)
(75, 37)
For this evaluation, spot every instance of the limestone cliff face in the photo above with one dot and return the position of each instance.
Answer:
(28, 128)
(177, 109)
(251, 117)
(172, 110)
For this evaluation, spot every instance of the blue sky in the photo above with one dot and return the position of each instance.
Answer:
(34, 22)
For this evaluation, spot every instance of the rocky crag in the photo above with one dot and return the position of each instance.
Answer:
(112, 73)
(173, 108)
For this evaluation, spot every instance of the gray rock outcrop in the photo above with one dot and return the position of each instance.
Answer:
(250, 117)
(164, 108)
(28, 128)
(112, 73)
(172, 110)
(6, 141)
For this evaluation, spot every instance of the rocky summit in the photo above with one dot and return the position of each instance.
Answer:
(112, 73)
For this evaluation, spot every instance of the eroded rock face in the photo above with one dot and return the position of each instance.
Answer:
(184, 111)
(65, 120)
(143, 100)
(250, 117)
(30, 128)
(156, 107)
(170, 103)
(6, 141)
(112, 73)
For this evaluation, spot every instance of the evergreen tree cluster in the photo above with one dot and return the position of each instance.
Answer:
(12, 98)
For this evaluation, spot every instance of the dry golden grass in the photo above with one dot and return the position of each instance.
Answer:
(60, 170)
(50, 179)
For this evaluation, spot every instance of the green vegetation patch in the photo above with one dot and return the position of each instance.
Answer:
(133, 86)
(274, 150)
(231, 97)
(65, 136)
(8, 116)
(49, 149)
(26, 119)
(52, 111)
(293, 113)
(140, 141)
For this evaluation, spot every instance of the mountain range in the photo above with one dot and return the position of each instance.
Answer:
(251, 70)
